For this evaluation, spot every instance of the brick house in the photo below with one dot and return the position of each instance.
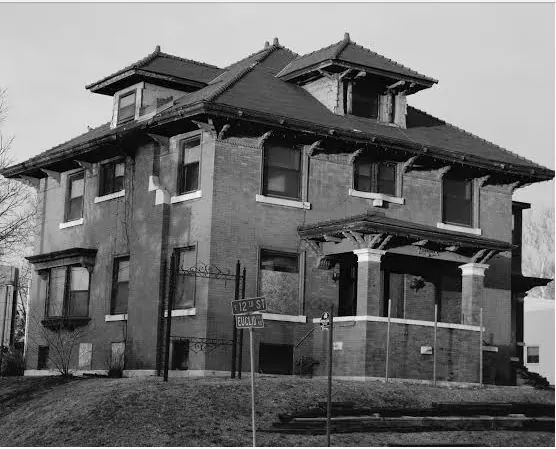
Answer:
(315, 173)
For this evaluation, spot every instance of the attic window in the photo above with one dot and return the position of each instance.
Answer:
(362, 98)
(126, 107)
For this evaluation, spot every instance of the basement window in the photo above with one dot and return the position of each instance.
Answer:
(282, 172)
(126, 107)
(532, 354)
(376, 177)
(111, 177)
(189, 165)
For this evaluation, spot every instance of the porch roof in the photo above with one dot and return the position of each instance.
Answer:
(376, 230)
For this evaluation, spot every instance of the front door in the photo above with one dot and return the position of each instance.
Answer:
(347, 301)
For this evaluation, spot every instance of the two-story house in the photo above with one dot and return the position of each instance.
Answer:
(314, 172)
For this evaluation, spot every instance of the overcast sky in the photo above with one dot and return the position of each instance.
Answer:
(494, 62)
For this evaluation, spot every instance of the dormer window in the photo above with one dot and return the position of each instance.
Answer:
(375, 176)
(362, 98)
(126, 107)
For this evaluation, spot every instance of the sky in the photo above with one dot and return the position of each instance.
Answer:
(494, 61)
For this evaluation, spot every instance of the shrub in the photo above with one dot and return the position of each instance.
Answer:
(13, 363)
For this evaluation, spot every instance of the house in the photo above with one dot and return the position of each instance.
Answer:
(332, 192)
(539, 336)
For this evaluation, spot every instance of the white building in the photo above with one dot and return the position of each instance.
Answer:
(539, 336)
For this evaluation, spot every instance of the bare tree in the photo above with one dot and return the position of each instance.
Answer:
(17, 201)
(538, 248)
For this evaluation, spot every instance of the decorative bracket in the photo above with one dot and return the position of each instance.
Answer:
(163, 141)
(441, 172)
(207, 127)
(482, 181)
(330, 238)
(406, 166)
(223, 131)
(30, 181)
(355, 155)
(52, 174)
(314, 146)
(373, 240)
(264, 138)
(84, 164)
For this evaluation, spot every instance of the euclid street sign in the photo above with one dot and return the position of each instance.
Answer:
(249, 305)
(252, 320)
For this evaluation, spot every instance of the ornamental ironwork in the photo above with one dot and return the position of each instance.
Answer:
(198, 344)
(203, 270)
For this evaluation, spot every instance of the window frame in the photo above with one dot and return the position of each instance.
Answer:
(177, 251)
(101, 176)
(67, 291)
(473, 218)
(538, 355)
(181, 179)
(123, 95)
(70, 178)
(374, 182)
(114, 287)
(264, 173)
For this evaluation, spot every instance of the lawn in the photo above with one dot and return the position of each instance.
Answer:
(216, 412)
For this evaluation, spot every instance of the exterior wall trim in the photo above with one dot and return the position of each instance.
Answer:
(282, 202)
(289, 318)
(111, 196)
(186, 197)
(376, 197)
(71, 224)
(182, 312)
(116, 317)
(382, 319)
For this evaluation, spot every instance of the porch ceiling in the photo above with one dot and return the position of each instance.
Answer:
(375, 230)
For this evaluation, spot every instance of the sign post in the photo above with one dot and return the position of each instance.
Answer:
(327, 323)
(245, 318)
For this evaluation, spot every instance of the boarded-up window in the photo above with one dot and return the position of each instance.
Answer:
(185, 285)
(85, 355)
(74, 203)
(457, 201)
(279, 281)
(117, 354)
(282, 171)
(120, 286)
(126, 107)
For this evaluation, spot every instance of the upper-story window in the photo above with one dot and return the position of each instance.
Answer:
(282, 171)
(457, 201)
(189, 165)
(362, 98)
(68, 292)
(375, 176)
(74, 197)
(111, 177)
(126, 107)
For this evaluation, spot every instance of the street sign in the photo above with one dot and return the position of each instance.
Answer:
(249, 305)
(325, 320)
(252, 320)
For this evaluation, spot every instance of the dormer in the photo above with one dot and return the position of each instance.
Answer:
(352, 80)
(151, 84)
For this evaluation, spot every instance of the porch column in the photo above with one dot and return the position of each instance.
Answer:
(369, 281)
(472, 292)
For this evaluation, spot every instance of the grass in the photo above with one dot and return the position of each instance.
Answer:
(216, 412)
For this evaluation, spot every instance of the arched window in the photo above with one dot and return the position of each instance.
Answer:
(375, 176)
(457, 200)
(281, 171)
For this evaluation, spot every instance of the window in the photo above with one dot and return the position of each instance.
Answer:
(532, 354)
(457, 201)
(74, 201)
(180, 354)
(43, 356)
(376, 177)
(189, 163)
(126, 107)
(111, 178)
(279, 281)
(362, 98)
(185, 286)
(68, 292)
(120, 286)
(282, 172)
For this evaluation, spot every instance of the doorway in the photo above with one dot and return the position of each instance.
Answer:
(347, 301)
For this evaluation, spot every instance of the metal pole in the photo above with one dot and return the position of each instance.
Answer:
(481, 347)
(234, 331)
(388, 339)
(434, 345)
(240, 364)
(169, 315)
(4, 323)
(252, 387)
(329, 396)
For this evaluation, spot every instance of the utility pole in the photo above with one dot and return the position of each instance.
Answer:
(234, 332)
(241, 330)
(329, 395)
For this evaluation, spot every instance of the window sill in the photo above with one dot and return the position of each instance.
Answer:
(116, 317)
(456, 228)
(382, 319)
(182, 312)
(186, 197)
(282, 202)
(70, 224)
(377, 198)
(289, 318)
(111, 196)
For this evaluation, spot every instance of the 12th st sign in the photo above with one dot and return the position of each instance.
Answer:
(249, 305)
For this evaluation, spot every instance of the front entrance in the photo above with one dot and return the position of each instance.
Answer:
(347, 301)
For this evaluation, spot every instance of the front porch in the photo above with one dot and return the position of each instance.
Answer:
(423, 275)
